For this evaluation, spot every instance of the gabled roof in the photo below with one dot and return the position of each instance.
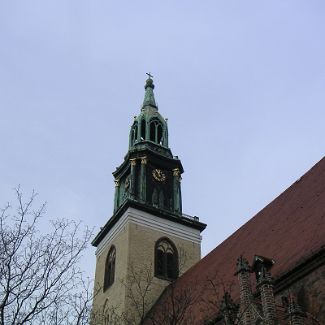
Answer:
(289, 230)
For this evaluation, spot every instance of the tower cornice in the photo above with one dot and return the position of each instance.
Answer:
(192, 222)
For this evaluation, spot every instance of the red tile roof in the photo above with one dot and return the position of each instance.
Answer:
(289, 230)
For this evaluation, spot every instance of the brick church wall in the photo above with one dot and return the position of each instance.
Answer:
(309, 292)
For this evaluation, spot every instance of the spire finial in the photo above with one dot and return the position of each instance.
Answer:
(149, 99)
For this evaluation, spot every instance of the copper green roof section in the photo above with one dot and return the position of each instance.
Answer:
(149, 127)
(149, 98)
(149, 178)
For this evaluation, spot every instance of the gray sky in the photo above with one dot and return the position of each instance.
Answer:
(241, 82)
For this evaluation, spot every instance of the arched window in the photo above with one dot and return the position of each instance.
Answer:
(160, 133)
(110, 268)
(156, 131)
(155, 197)
(143, 130)
(166, 260)
(152, 131)
(161, 199)
(135, 132)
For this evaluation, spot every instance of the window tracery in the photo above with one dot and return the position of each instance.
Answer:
(166, 260)
(110, 268)
(156, 131)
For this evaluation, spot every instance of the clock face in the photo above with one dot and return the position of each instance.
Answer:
(158, 175)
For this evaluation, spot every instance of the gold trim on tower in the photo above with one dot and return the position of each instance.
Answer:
(144, 160)
(176, 172)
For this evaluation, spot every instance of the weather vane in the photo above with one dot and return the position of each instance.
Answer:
(149, 75)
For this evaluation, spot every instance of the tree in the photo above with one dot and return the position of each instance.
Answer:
(40, 278)
(141, 289)
(175, 301)
(175, 307)
(138, 290)
(141, 282)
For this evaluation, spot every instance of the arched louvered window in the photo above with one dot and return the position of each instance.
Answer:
(161, 199)
(166, 260)
(143, 130)
(110, 268)
(156, 131)
(134, 132)
(155, 197)
(152, 131)
(159, 134)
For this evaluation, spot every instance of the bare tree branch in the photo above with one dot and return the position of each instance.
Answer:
(40, 278)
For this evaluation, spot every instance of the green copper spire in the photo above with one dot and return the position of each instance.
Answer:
(149, 98)
(149, 128)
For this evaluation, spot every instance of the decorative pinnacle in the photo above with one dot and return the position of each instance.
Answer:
(262, 266)
(264, 276)
(149, 98)
(242, 265)
(227, 302)
(294, 308)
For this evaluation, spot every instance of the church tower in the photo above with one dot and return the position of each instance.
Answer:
(148, 242)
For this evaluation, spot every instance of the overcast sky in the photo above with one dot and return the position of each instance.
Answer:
(241, 83)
